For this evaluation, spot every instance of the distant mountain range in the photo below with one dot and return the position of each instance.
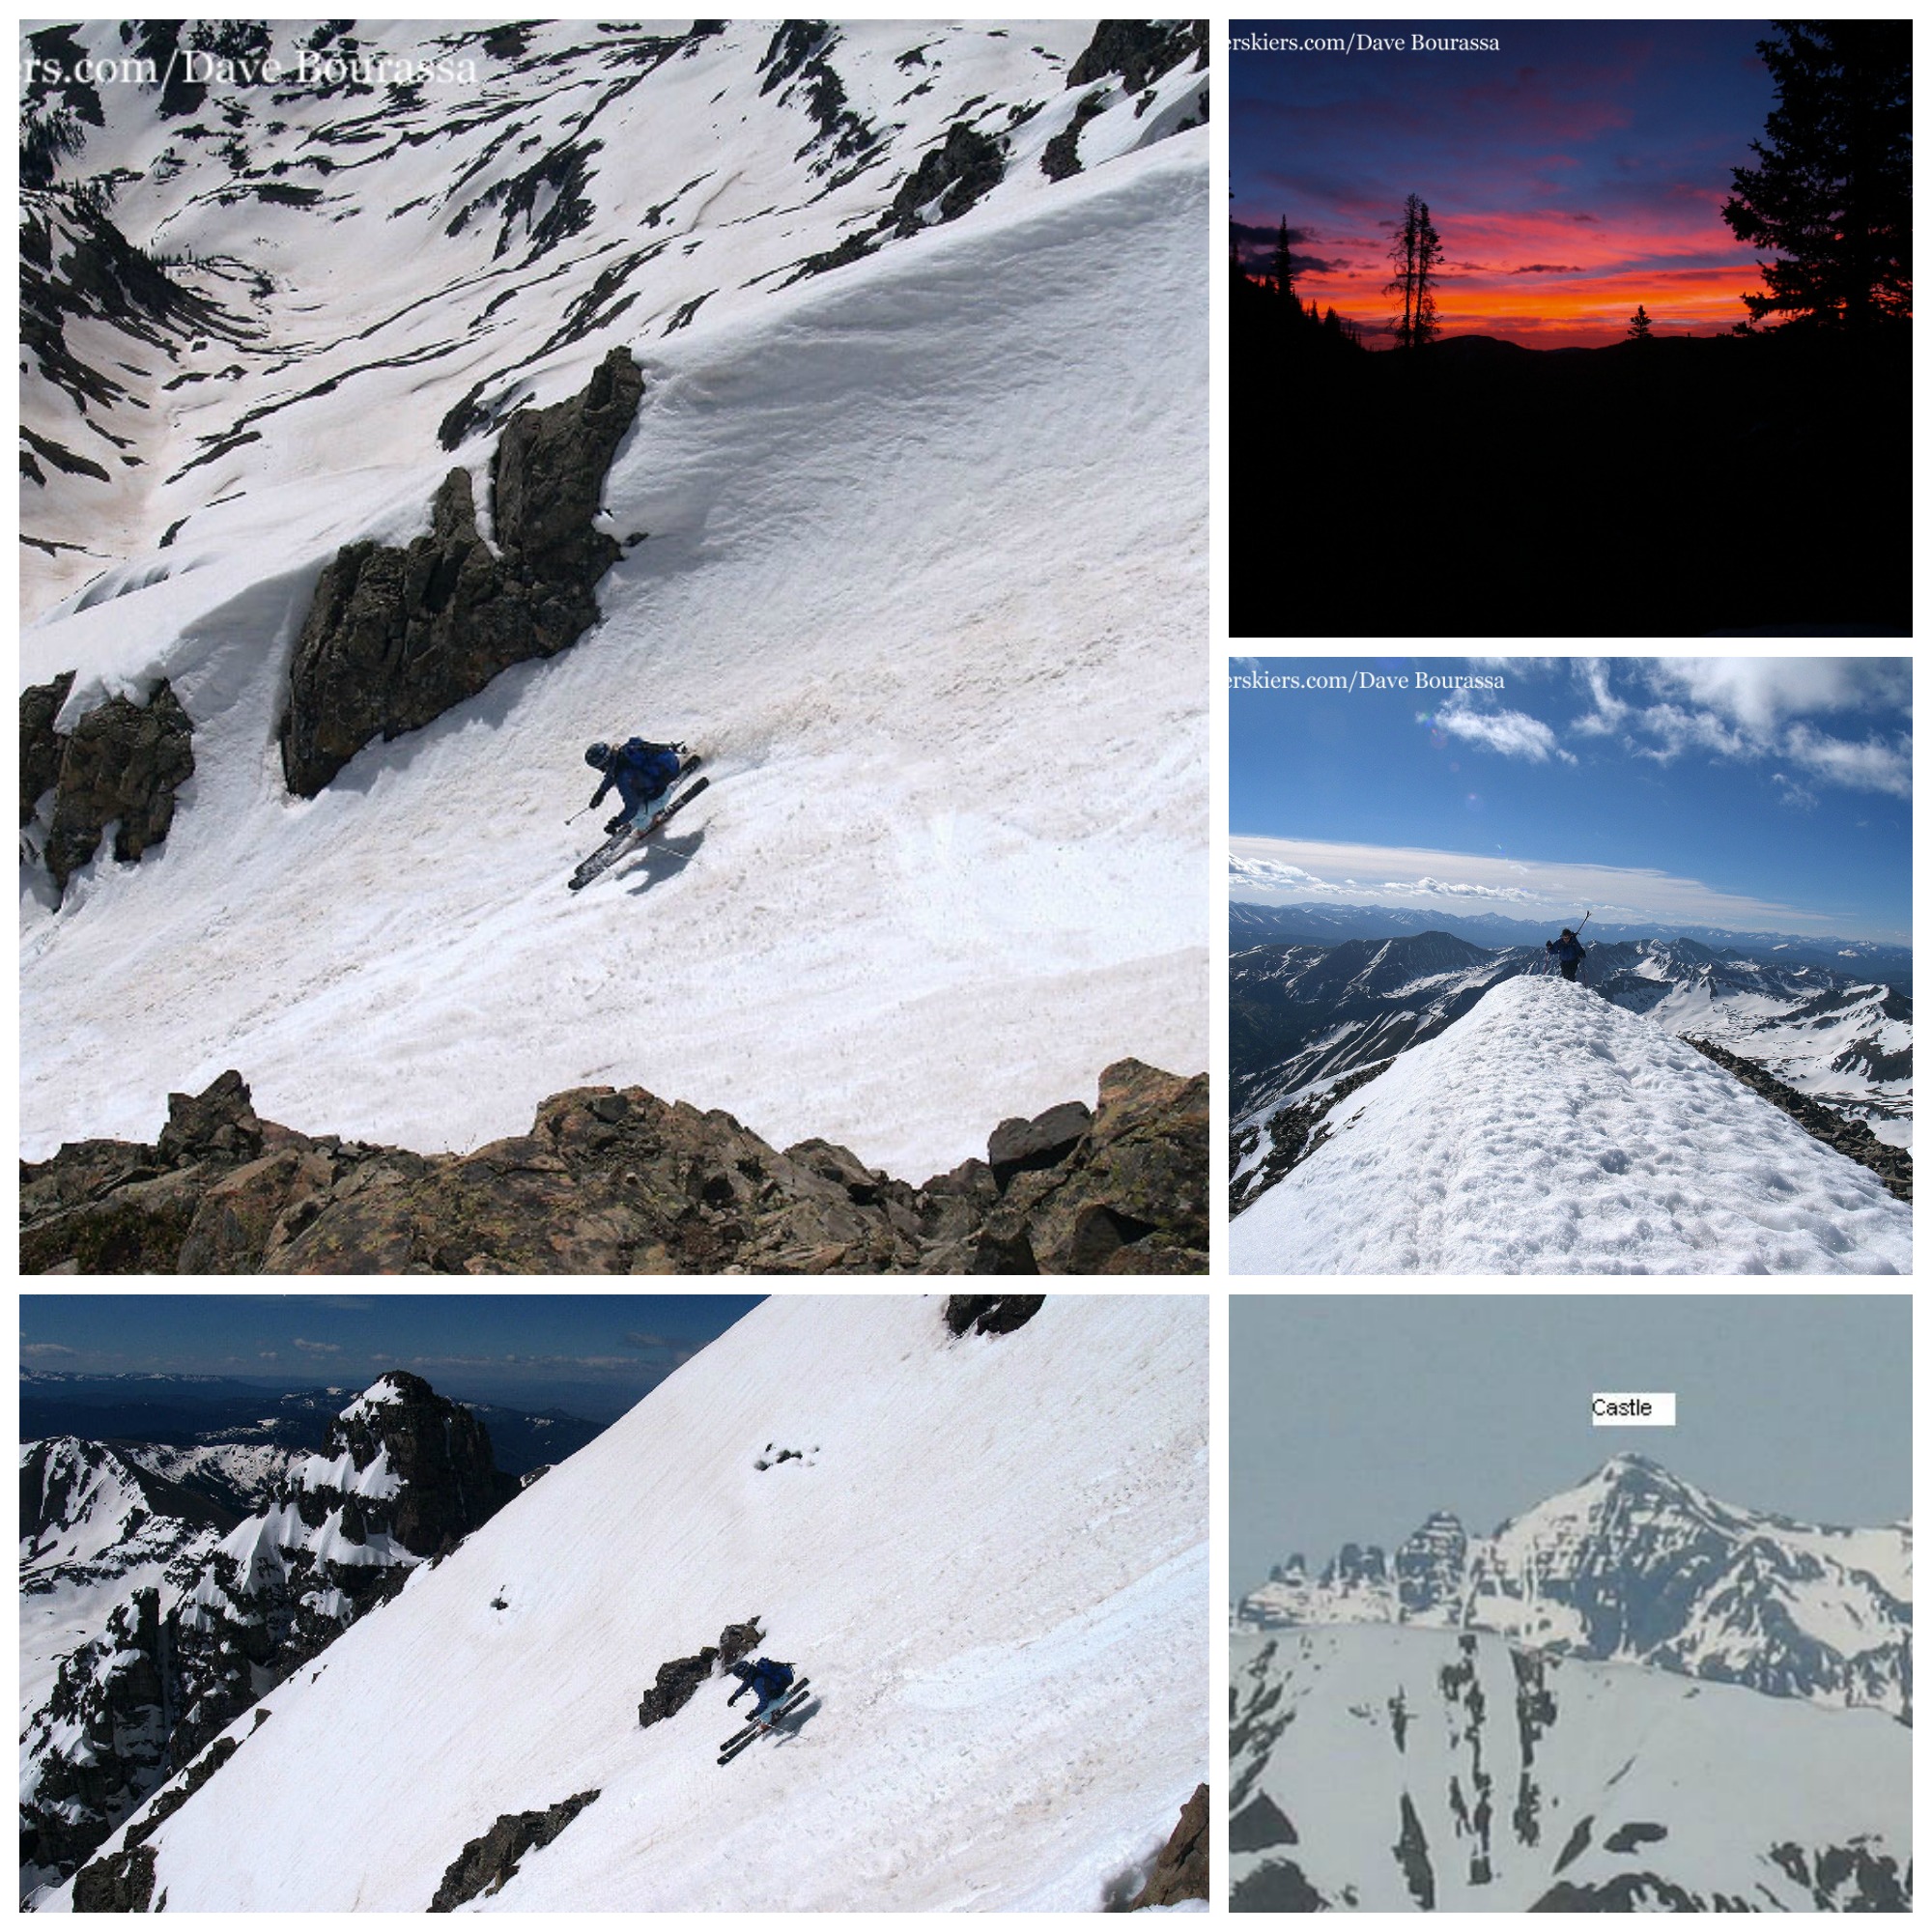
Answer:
(1304, 1013)
(1254, 924)
(185, 1411)
(1637, 1566)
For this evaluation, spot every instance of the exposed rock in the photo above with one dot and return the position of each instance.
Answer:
(618, 1181)
(1293, 1132)
(216, 1124)
(1182, 1870)
(1853, 1139)
(955, 173)
(1061, 155)
(991, 1314)
(41, 744)
(121, 766)
(121, 1883)
(1139, 51)
(486, 1865)
(394, 638)
(678, 1680)
(177, 1794)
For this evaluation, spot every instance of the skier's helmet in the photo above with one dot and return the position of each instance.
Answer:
(597, 754)
(1568, 934)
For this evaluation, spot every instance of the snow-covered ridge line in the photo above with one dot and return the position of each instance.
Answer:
(1547, 1130)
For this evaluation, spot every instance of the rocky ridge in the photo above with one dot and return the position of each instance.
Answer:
(618, 1181)
(403, 1476)
(1636, 1565)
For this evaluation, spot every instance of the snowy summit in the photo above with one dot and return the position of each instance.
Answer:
(1548, 1131)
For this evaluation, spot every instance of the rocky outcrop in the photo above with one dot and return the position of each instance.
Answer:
(394, 638)
(612, 1181)
(41, 744)
(1853, 1139)
(1294, 1132)
(121, 1883)
(486, 1865)
(403, 1476)
(1139, 51)
(1181, 1872)
(990, 1314)
(121, 765)
(949, 180)
(678, 1680)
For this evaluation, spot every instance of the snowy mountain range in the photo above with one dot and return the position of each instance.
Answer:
(1254, 924)
(1547, 1130)
(1637, 1566)
(404, 415)
(185, 1616)
(1395, 1769)
(1009, 1718)
(1633, 1697)
(1301, 1015)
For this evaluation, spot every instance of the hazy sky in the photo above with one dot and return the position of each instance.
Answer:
(593, 1354)
(1767, 794)
(1353, 1416)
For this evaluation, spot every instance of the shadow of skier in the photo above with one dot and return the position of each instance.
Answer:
(787, 1728)
(663, 857)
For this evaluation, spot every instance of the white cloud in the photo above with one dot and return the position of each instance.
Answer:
(1515, 734)
(1873, 766)
(42, 1350)
(1462, 882)
(1760, 694)
(318, 1348)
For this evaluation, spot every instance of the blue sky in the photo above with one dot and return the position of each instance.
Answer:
(567, 1350)
(1351, 1417)
(1754, 793)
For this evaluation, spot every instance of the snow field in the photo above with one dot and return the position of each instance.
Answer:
(1728, 1773)
(1548, 1131)
(925, 581)
(990, 1559)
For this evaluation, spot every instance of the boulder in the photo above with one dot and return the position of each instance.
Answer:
(121, 766)
(218, 1124)
(124, 1881)
(990, 1314)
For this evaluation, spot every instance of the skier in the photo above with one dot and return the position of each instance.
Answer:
(1567, 952)
(765, 1675)
(644, 774)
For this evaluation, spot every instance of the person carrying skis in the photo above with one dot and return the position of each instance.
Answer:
(644, 774)
(765, 1675)
(1567, 951)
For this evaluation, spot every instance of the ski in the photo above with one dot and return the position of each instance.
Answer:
(736, 1745)
(620, 842)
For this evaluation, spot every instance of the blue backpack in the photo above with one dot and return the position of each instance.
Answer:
(656, 766)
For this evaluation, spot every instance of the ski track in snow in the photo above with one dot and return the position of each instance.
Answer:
(1030, 1507)
(1548, 1131)
(925, 581)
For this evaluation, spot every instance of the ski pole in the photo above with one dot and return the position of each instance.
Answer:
(576, 815)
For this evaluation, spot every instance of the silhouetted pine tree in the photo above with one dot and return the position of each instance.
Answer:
(1639, 328)
(1415, 253)
(1833, 198)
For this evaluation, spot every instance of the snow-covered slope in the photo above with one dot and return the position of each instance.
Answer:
(925, 578)
(1548, 1131)
(989, 1557)
(95, 1525)
(1636, 1565)
(1391, 1770)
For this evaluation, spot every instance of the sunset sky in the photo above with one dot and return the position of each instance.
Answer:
(1573, 174)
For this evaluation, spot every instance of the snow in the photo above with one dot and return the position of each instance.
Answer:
(1728, 1774)
(994, 1570)
(1548, 1131)
(925, 580)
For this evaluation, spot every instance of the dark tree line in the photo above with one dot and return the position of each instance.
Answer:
(1270, 306)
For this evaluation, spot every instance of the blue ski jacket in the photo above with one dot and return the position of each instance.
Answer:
(1567, 951)
(764, 1675)
(639, 771)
